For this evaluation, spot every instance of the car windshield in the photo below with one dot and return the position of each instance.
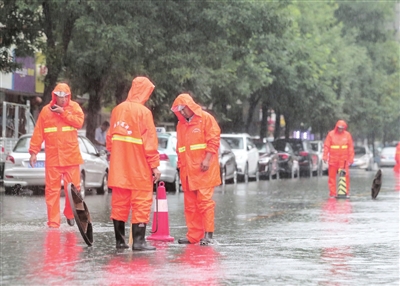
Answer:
(314, 146)
(359, 150)
(280, 145)
(235, 142)
(262, 147)
(297, 146)
(22, 145)
(162, 142)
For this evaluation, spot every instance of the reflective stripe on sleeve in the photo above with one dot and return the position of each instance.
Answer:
(127, 139)
(198, 146)
(182, 149)
(67, 128)
(50, 129)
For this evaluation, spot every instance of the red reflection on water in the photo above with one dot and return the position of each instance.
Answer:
(61, 251)
(201, 265)
(336, 254)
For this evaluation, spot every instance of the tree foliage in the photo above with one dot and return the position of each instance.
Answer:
(313, 62)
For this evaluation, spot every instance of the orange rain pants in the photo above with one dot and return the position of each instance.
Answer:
(123, 200)
(71, 174)
(199, 212)
(333, 175)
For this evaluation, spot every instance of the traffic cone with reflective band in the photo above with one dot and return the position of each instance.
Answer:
(342, 187)
(160, 226)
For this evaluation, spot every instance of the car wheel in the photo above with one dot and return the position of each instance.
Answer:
(8, 190)
(246, 173)
(270, 171)
(104, 186)
(258, 173)
(83, 189)
(235, 176)
(319, 171)
(310, 166)
(177, 182)
(223, 176)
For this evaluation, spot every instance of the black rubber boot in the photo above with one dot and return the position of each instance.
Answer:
(208, 239)
(183, 241)
(119, 229)
(139, 242)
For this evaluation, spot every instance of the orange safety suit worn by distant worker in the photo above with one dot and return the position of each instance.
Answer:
(198, 139)
(339, 153)
(396, 168)
(133, 144)
(58, 129)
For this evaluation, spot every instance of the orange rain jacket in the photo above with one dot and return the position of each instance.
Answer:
(397, 159)
(132, 140)
(338, 147)
(194, 139)
(59, 132)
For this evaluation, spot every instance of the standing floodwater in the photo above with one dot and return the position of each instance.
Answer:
(279, 232)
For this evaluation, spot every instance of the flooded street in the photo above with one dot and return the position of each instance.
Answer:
(279, 232)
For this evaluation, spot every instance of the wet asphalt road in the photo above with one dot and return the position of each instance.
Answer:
(279, 232)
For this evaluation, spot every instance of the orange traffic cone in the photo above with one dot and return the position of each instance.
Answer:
(160, 226)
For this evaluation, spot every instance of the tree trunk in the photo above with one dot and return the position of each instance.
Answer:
(277, 132)
(264, 120)
(93, 110)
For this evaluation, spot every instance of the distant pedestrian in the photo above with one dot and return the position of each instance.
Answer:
(134, 160)
(198, 139)
(100, 136)
(57, 126)
(339, 154)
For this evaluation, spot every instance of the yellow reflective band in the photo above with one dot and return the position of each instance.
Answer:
(68, 128)
(181, 149)
(127, 139)
(50, 129)
(198, 146)
(338, 147)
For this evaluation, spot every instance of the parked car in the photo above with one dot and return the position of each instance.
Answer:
(269, 159)
(246, 154)
(318, 147)
(227, 163)
(308, 159)
(167, 142)
(19, 174)
(363, 158)
(288, 161)
(387, 157)
(168, 161)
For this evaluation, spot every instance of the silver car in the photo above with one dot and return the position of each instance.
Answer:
(19, 174)
(387, 157)
(318, 147)
(168, 157)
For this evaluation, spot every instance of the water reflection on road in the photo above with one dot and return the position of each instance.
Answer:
(279, 232)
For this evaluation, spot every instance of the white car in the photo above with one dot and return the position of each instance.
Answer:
(246, 154)
(363, 158)
(387, 157)
(318, 148)
(19, 174)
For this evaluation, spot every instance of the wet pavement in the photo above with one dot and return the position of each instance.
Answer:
(279, 232)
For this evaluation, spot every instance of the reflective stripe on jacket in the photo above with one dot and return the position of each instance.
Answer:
(194, 139)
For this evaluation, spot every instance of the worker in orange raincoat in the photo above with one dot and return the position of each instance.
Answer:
(396, 168)
(57, 125)
(133, 143)
(198, 139)
(339, 153)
